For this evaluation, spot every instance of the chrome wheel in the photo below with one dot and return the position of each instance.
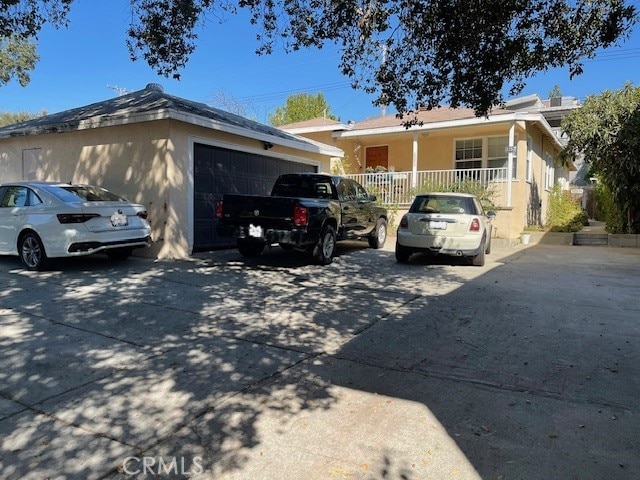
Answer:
(379, 235)
(326, 246)
(32, 252)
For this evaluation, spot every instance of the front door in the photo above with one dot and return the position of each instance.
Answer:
(377, 156)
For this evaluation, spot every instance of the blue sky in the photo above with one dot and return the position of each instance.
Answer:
(84, 63)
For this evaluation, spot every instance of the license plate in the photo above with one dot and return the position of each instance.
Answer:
(437, 225)
(119, 220)
(255, 231)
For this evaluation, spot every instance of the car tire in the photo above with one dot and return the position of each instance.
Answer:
(119, 254)
(488, 249)
(250, 248)
(32, 253)
(325, 249)
(402, 253)
(478, 260)
(379, 234)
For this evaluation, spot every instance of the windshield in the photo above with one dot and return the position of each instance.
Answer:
(84, 193)
(443, 204)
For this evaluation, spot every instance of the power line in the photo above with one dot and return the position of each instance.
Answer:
(266, 97)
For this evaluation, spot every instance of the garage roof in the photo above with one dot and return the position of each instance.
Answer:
(152, 103)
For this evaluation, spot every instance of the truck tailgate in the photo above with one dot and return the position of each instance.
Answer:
(268, 212)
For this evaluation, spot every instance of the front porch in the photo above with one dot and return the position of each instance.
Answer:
(399, 188)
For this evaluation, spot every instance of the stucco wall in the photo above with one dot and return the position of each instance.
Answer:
(435, 149)
(129, 160)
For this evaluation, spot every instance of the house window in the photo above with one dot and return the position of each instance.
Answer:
(497, 156)
(469, 153)
(529, 164)
(549, 171)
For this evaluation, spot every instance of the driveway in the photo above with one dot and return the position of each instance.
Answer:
(220, 367)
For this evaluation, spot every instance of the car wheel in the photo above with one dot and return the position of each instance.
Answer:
(250, 248)
(326, 247)
(402, 253)
(32, 253)
(478, 260)
(119, 254)
(379, 234)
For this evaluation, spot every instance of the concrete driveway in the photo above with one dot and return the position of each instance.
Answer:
(218, 367)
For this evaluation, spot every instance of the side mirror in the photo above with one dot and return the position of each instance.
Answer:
(372, 198)
(491, 214)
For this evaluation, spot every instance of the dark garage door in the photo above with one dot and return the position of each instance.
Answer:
(217, 171)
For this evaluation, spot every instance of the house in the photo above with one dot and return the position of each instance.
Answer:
(511, 154)
(173, 155)
(554, 111)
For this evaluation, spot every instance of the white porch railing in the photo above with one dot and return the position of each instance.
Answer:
(399, 188)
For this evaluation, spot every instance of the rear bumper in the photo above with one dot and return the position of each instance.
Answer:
(296, 237)
(467, 246)
(87, 248)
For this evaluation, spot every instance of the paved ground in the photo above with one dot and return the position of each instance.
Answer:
(271, 369)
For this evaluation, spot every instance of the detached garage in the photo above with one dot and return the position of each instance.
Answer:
(173, 155)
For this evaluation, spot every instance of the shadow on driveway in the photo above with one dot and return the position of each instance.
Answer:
(526, 368)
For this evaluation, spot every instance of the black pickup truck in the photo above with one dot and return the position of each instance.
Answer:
(306, 211)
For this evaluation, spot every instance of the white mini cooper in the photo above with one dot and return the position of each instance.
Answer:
(446, 224)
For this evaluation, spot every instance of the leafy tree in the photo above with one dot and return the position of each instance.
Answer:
(299, 107)
(462, 52)
(17, 58)
(607, 210)
(606, 130)
(555, 92)
(9, 118)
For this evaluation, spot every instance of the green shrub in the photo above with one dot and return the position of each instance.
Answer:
(608, 211)
(564, 214)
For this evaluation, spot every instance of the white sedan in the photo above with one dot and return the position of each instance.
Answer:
(446, 224)
(40, 220)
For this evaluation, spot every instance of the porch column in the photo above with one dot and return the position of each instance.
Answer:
(414, 168)
(511, 151)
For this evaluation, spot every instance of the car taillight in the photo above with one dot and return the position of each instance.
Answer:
(475, 225)
(219, 209)
(404, 222)
(75, 217)
(143, 214)
(300, 216)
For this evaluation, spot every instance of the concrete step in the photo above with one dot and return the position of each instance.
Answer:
(593, 239)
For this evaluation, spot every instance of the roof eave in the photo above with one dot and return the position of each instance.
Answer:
(297, 143)
(466, 122)
(318, 129)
